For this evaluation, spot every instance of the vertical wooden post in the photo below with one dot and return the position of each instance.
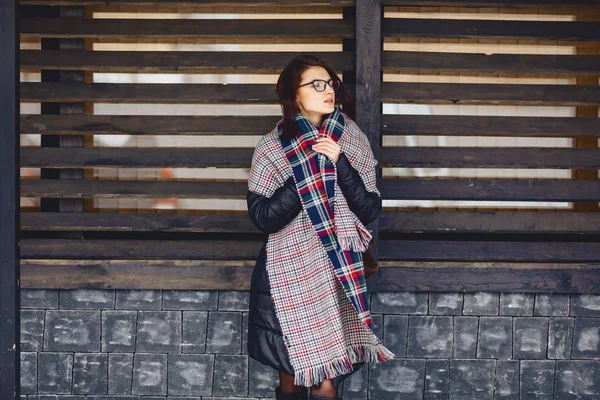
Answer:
(369, 46)
(9, 201)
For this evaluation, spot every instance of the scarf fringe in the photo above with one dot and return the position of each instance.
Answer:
(340, 366)
(352, 243)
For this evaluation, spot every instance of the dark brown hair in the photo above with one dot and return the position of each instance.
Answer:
(287, 85)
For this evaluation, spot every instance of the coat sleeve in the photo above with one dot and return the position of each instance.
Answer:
(270, 214)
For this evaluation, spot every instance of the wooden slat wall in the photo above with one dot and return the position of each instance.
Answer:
(442, 250)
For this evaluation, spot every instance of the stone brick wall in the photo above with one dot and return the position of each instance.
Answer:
(176, 345)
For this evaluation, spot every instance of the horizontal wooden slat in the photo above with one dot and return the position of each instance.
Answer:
(219, 3)
(131, 189)
(122, 222)
(464, 125)
(488, 280)
(464, 93)
(70, 27)
(137, 157)
(407, 61)
(171, 249)
(489, 222)
(493, 3)
(484, 189)
(444, 250)
(137, 274)
(490, 29)
(483, 157)
(173, 61)
(147, 124)
(148, 93)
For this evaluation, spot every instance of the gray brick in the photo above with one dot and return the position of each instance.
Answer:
(437, 380)
(90, 373)
(138, 299)
(184, 398)
(149, 374)
(39, 298)
(516, 304)
(194, 331)
(28, 373)
(530, 338)
(230, 376)
(377, 325)
(537, 379)
(560, 337)
(397, 379)
(399, 303)
(495, 337)
(54, 372)
(72, 331)
(190, 374)
(234, 300)
(445, 303)
(585, 305)
(120, 373)
(471, 379)
(262, 379)
(586, 340)
(395, 331)
(159, 331)
(245, 322)
(481, 303)
(119, 331)
(190, 300)
(554, 304)
(429, 337)
(577, 380)
(32, 330)
(465, 337)
(224, 332)
(87, 299)
(506, 386)
(356, 385)
(112, 397)
(62, 397)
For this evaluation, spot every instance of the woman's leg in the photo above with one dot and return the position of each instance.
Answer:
(286, 382)
(325, 389)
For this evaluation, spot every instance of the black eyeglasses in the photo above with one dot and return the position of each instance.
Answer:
(320, 84)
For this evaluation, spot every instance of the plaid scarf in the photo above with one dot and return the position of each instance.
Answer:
(314, 263)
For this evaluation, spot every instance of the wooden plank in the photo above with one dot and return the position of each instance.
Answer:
(464, 93)
(9, 211)
(489, 280)
(185, 28)
(463, 125)
(489, 222)
(174, 93)
(132, 189)
(121, 222)
(173, 61)
(137, 157)
(435, 62)
(131, 249)
(137, 274)
(468, 250)
(495, 3)
(490, 29)
(147, 124)
(483, 157)
(219, 3)
(485, 189)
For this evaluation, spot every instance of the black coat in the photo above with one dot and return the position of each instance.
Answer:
(270, 214)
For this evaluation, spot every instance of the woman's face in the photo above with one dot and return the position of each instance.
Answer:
(312, 104)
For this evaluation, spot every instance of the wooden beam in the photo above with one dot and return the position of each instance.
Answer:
(464, 125)
(185, 28)
(495, 3)
(9, 200)
(488, 189)
(222, 62)
(412, 61)
(220, 3)
(147, 124)
(490, 29)
(465, 93)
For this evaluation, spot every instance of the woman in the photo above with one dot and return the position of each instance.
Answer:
(311, 190)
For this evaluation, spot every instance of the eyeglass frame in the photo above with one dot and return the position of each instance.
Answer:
(325, 86)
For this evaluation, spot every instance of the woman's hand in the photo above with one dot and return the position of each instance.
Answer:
(329, 147)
